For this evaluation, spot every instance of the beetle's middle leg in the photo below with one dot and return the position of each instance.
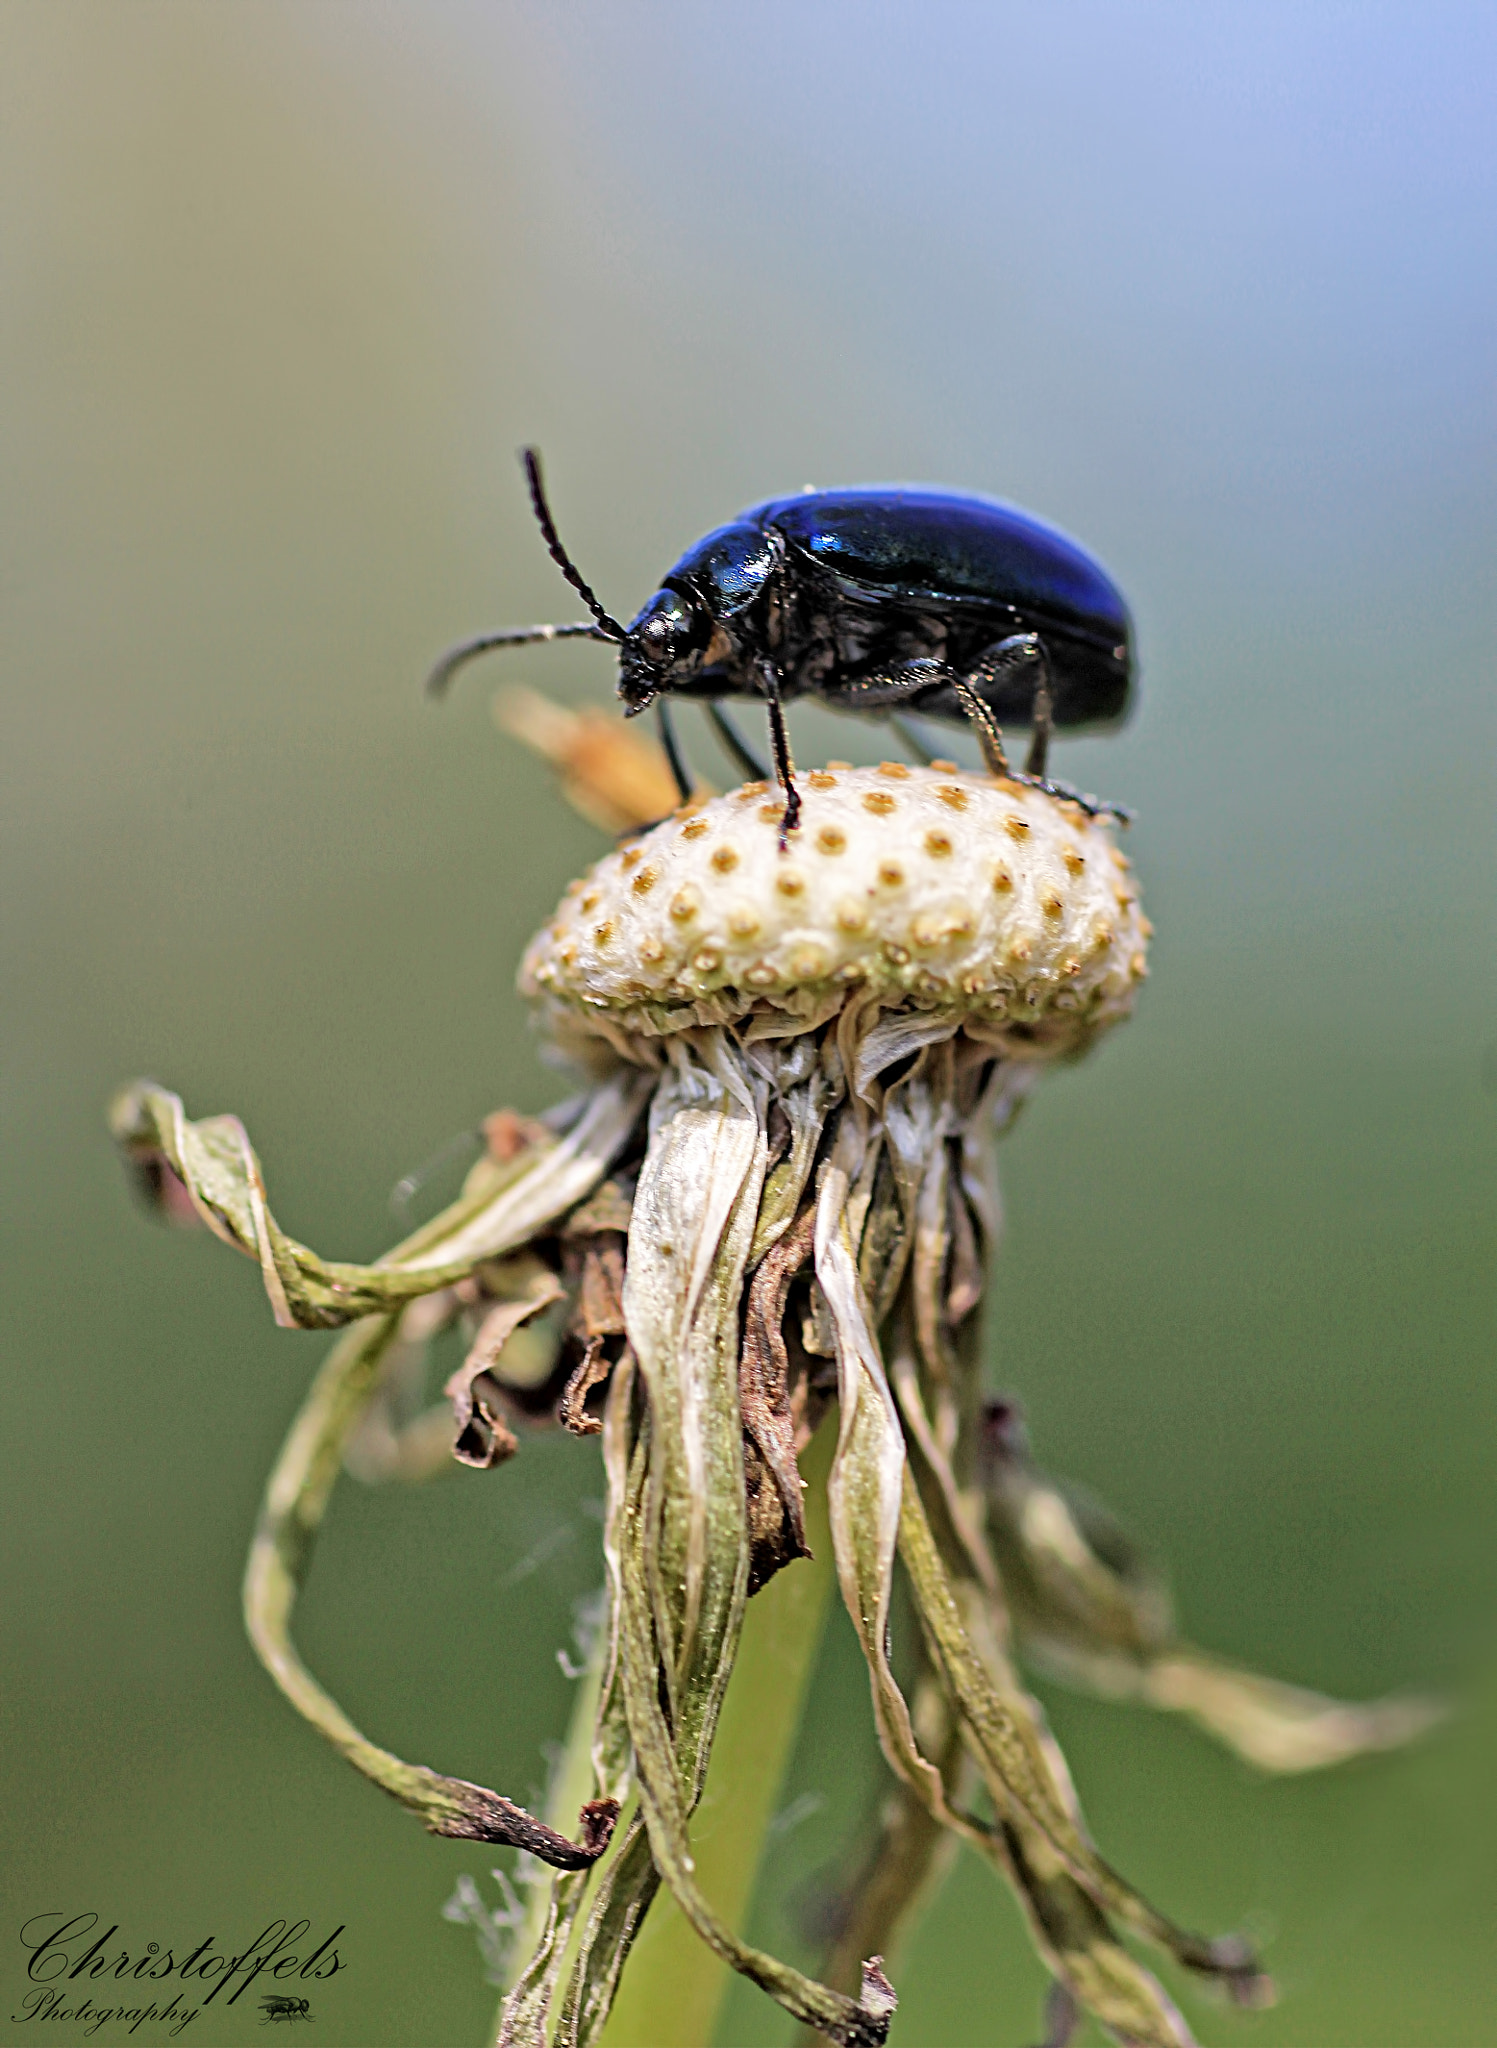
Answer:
(1018, 650)
(738, 749)
(985, 725)
(672, 745)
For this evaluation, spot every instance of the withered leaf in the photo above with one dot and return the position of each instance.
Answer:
(593, 1370)
(1092, 1611)
(609, 1208)
(600, 1287)
(777, 1527)
(484, 1438)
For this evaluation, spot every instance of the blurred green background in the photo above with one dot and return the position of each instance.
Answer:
(284, 287)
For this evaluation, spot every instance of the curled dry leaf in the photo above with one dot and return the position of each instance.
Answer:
(484, 1438)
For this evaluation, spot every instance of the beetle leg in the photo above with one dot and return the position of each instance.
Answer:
(737, 746)
(918, 677)
(989, 732)
(784, 767)
(1039, 745)
(1017, 649)
(672, 747)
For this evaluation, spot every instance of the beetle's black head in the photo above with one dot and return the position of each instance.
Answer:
(662, 648)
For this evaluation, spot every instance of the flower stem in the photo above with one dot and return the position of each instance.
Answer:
(673, 1985)
(673, 1988)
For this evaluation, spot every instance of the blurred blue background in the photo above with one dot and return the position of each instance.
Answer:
(284, 287)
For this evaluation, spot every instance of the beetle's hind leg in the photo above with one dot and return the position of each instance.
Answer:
(1039, 743)
(985, 725)
(1027, 647)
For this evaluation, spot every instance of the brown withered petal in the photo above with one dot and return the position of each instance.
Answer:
(484, 1438)
(594, 1369)
(608, 1209)
(613, 774)
(506, 1134)
(964, 1272)
(772, 1479)
(600, 1287)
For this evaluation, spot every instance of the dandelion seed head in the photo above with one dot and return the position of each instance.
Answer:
(959, 880)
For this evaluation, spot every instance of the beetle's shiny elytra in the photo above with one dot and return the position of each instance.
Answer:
(882, 599)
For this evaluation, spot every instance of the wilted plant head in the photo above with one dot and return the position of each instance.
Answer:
(971, 906)
(770, 1214)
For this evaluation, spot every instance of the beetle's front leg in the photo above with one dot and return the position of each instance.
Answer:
(779, 739)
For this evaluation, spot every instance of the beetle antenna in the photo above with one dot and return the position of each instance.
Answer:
(518, 636)
(608, 626)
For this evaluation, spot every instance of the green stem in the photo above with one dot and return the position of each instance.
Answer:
(673, 1988)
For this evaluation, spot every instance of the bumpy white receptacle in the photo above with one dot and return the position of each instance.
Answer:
(1007, 910)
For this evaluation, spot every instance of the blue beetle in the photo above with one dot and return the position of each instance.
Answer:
(881, 599)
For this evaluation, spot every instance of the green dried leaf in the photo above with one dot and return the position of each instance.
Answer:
(629, 1879)
(295, 1500)
(693, 1220)
(1093, 1612)
(874, 1502)
(218, 1170)
(867, 1477)
(1077, 1941)
(1004, 1732)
